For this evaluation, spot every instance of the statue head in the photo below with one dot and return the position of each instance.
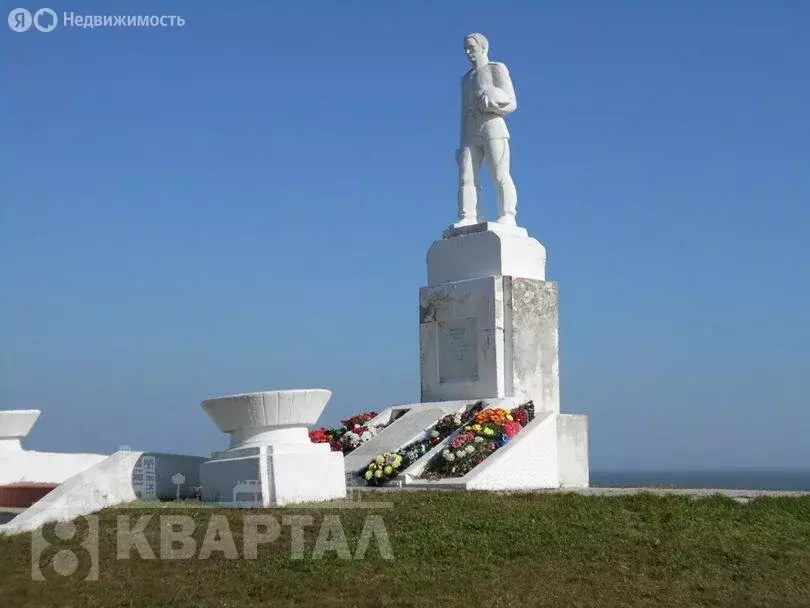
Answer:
(476, 47)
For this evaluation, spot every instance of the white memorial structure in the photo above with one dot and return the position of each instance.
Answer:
(488, 318)
(488, 332)
(84, 483)
(270, 457)
(18, 465)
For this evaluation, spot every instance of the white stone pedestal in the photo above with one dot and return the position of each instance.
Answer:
(273, 475)
(485, 250)
(271, 461)
(489, 329)
(488, 319)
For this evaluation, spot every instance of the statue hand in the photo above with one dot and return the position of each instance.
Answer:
(496, 101)
(484, 102)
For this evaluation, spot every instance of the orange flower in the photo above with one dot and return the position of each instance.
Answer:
(493, 416)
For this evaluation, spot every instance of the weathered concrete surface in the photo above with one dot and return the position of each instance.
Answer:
(531, 337)
(461, 338)
(493, 337)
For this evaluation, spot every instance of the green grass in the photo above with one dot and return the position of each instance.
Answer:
(467, 549)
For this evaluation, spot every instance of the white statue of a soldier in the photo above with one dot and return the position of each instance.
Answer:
(487, 96)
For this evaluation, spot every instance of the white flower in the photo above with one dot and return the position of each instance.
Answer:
(457, 419)
(470, 449)
(449, 457)
(461, 454)
(434, 433)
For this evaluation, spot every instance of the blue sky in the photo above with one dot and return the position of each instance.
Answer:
(245, 203)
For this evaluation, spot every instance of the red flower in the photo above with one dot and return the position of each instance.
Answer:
(521, 417)
(319, 436)
(336, 446)
(511, 428)
(350, 423)
(461, 440)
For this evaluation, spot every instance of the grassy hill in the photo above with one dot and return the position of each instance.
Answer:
(449, 549)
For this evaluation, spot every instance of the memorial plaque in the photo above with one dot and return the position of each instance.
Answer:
(144, 481)
(458, 351)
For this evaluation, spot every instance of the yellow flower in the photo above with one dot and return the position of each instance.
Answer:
(509, 417)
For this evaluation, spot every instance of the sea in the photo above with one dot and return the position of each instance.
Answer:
(729, 479)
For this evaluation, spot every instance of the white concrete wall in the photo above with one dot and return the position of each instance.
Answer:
(227, 470)
(24, 466)
(572, 445)
(284, 474)
(106, 484)
(551, 452)
(529, 461)
(18, 465)
(312, 476)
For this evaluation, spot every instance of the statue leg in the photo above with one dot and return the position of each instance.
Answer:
(497, 155)
(469, 166)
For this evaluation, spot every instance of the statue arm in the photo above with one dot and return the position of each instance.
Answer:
(503, 81)
(461, 113)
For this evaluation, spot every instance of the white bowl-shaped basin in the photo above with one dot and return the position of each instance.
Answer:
(14, 426)
(268, 416)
